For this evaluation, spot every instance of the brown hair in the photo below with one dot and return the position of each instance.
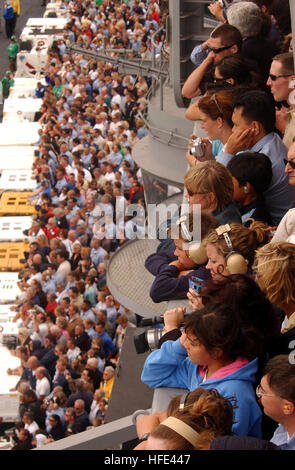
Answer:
(281, 376)
(229, 35)
(62, 322)
(286, 43)
(211, 177)
(205, 411)
(80, 286)
(287, 61)
(244, 240)
(218, 104)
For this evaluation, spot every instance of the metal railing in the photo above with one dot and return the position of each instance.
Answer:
(138, 65)
(103, 437)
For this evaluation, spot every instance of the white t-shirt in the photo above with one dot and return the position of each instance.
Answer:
(64, 269)
(72, 354)
(41, 334)
(32, 428)
(42, 387)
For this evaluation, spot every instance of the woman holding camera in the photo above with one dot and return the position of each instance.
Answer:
(213, 352)
(215, 112)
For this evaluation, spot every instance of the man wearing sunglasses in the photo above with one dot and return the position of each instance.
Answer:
(224, 41)
(281, 81)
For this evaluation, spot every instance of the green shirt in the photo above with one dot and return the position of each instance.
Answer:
(12, 50)
(57, 90)
(6, 84)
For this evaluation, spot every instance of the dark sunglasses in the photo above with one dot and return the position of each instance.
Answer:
(275, 77)
(291, 163)
(219, 80)
(219, 49)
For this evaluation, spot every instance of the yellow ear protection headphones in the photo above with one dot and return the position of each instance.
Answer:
(196, 250)
(55, 403)
(235, 262)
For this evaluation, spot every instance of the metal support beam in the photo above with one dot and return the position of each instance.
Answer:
(139, 65)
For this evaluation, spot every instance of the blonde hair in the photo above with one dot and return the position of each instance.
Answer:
(275, 271)
(211, 177)
(244, 240)
(42, 240)
(25, 334)
(62, 322)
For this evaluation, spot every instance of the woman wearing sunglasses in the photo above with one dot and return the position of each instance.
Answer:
(235, 71)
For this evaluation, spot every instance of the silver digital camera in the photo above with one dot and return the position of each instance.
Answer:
(198, 148)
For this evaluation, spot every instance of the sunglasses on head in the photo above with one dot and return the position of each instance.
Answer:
(213, 98)
(219, 49)
(275, 77)
(291, 163)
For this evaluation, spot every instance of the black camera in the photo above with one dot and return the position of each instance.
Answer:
(149, 339)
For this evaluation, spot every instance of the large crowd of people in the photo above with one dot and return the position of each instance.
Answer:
(234, 351)
(70, 328)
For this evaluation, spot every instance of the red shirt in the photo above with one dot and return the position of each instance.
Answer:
(51, 307)
(52, 232)
(155, 16)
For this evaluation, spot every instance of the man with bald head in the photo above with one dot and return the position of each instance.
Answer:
(52, 230)
(37, 260)
(60, 337)
(81, 414)
(29, 373)
(42, 385)
(70, 241)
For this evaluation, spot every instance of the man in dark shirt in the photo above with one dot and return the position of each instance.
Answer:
(81, 414)
(82, 339)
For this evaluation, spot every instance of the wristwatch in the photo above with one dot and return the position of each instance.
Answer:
(144, 437)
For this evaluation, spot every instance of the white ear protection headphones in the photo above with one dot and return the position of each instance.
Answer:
(196, 250)
(235, 262)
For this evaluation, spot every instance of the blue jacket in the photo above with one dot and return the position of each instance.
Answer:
(170, 367)
(166, 285)
(8, 13)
